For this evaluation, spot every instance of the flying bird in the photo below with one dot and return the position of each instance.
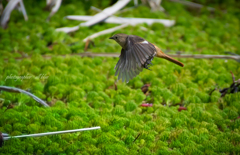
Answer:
(136, 54)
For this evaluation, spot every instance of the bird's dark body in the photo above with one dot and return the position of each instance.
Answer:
(136, 55)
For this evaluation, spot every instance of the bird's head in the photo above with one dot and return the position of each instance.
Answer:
(120, 38)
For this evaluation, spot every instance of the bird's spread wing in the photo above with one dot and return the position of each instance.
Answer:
(136, 56)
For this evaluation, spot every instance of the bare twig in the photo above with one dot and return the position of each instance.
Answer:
(98, 17)
(106, 13)
(88, 54)
(192, 4)
(54, 5)
(53, 133)
(201, 56)
(131, 21)
(68, 29)
(234, 87)
(154, 4)
(23, 10)
(12, 4)
(233, 77)
(17, 90)
(137, 137)
(87, 44)
(105, 32)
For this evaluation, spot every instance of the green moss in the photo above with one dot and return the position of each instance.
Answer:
(81, 90)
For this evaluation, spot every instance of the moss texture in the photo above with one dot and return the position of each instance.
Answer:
(81, 91)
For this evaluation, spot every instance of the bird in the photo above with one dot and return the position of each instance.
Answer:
(136, 54)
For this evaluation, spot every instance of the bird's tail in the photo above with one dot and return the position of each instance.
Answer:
(160, 54)
(172, 60)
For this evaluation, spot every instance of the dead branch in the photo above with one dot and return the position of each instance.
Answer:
(68, 29)
(201, 56)
(234, 87)
(136, 137)
(121, 20)
(23, 10)
(192, 4)
(12, 4)
(53, 5)
(17, 90)
(88, 54)
(105, 32)
(106, 13)
(233, 77)
(98, 17)
(155, 5)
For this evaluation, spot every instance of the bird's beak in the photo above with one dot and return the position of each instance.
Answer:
(111, 38)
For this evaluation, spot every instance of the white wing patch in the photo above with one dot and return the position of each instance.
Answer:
(144, 42)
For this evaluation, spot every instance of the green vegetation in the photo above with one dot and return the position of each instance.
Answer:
(81, 91)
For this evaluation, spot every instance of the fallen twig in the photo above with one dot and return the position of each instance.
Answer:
(201, 56)
(12, 4)
(233, 77)
(131, 21)
(88, 54)
(87, 44)
(98, 17)
(106, 13)
(23, 10)
(234, 87)
(52, 133)
(105, 32)
(17, 90)
(137, 137)
(192, 4)
(54, 5)
(154, 4)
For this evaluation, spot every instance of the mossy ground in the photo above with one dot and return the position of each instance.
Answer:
(81, 90)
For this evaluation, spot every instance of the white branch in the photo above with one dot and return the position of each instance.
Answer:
(105, 32)
(68, 29)
(7, 12)
(23, 10)
(106, 13)
(52, 133)
(55, 5)
(17, 90)
(98, 17)
(131, 21)
(192, 4)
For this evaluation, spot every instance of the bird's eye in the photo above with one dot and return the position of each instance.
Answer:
(116, 37)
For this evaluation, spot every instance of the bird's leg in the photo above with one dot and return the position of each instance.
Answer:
(148, 63)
